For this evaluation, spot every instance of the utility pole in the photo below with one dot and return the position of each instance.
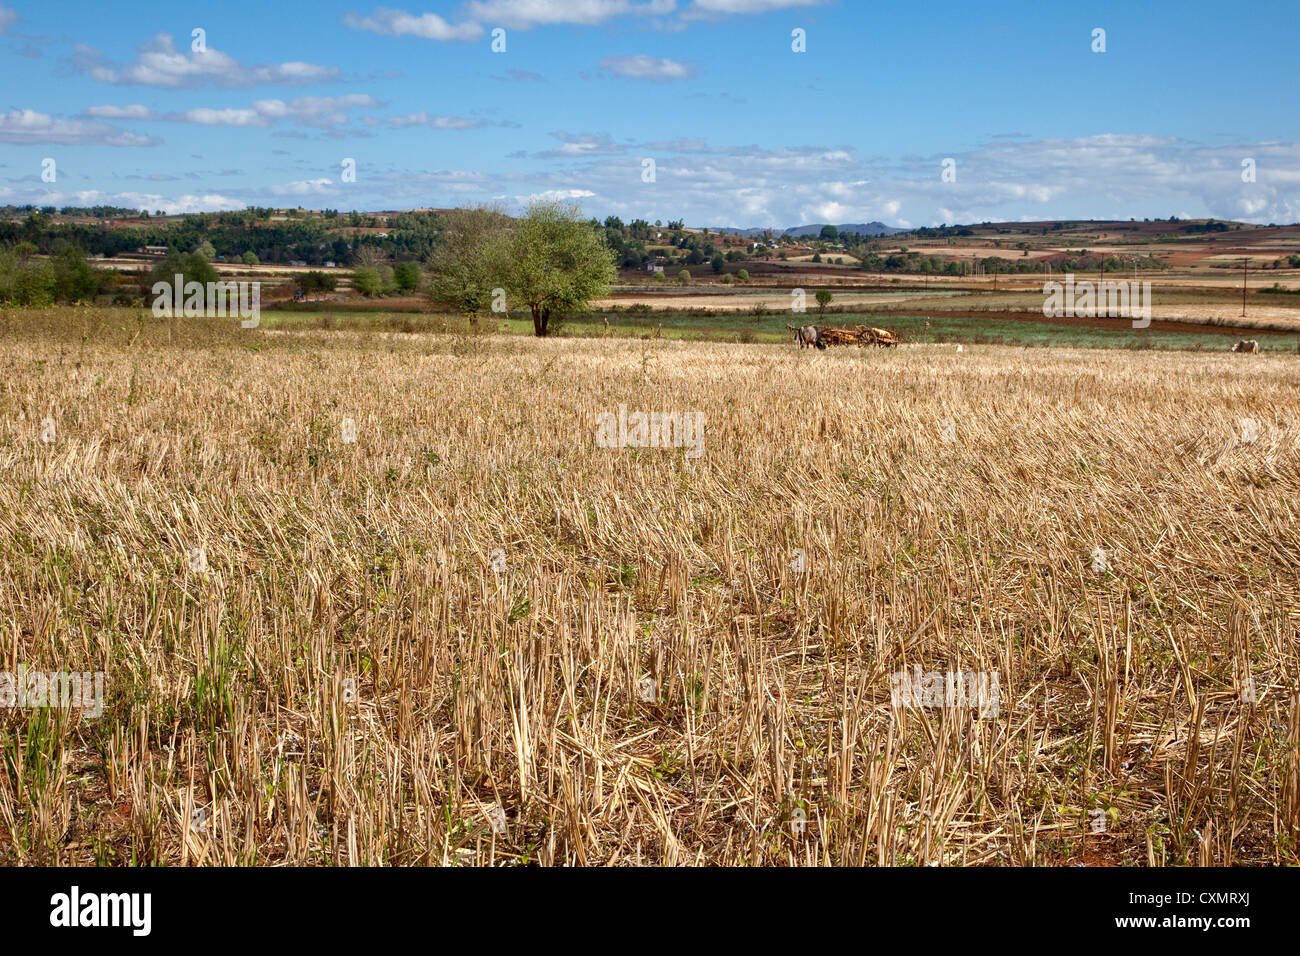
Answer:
(1244, 261)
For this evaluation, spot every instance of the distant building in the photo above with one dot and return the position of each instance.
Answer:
(297, 262)
(156, 250)
(329, 265)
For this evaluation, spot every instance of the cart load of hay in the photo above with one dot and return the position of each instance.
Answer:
(858, 335)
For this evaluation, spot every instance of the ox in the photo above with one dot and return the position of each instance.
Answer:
(806, 335)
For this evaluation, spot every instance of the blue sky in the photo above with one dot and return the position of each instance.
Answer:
(743, 130)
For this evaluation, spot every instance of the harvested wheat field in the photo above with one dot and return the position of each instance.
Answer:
(434, 621)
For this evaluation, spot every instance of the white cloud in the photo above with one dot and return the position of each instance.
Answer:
(1103, 176)
(134, 111)
(320, 112)
(556, 195)
(305, 187)
(430, 26)
(7, 19)
(205, 116)
(424, 118)
(523, 14)
(748, 6)
(526, 14)
(29, 126)
(160, 64)
(642, 67)
(574, 145)
(210, 202)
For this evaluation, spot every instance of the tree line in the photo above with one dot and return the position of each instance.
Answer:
(234, 235)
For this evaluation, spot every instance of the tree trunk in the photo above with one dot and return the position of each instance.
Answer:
(539, 323)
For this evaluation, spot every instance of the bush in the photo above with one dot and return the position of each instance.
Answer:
(316, 281)
(190, 266)
(250, 258)
(29, 283)
(367, 281)
(743, 275)
(407, 275)
(74, 278)
(684, 277)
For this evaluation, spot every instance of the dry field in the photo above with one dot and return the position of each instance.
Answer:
(778, 301)
(473, 636)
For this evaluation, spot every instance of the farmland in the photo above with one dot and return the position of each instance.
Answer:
(464, 633)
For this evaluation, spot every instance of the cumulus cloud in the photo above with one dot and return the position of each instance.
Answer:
(7, 19)
(1101, 176)
(172, 206)
(642, 67)
(556, 195)
(430, 26)
(305, 187)
(423, 118)
(320, 112)
(738, 184)
(134, 111)
(160, 64)
(576, 145)
(714, 7)
(523, 14)
(29, 126)
(526, 14)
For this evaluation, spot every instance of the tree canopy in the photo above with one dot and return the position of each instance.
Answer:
(467, 262)
(555, 262)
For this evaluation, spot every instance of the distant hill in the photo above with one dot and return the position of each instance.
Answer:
(862, 228)
(749, 233)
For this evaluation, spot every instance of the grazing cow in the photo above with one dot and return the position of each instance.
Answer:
(1247, 345)
(806, 335)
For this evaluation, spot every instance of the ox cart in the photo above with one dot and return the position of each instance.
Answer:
(858, 335)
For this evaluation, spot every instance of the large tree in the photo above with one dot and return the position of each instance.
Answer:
(556, 262)
(467, 260)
